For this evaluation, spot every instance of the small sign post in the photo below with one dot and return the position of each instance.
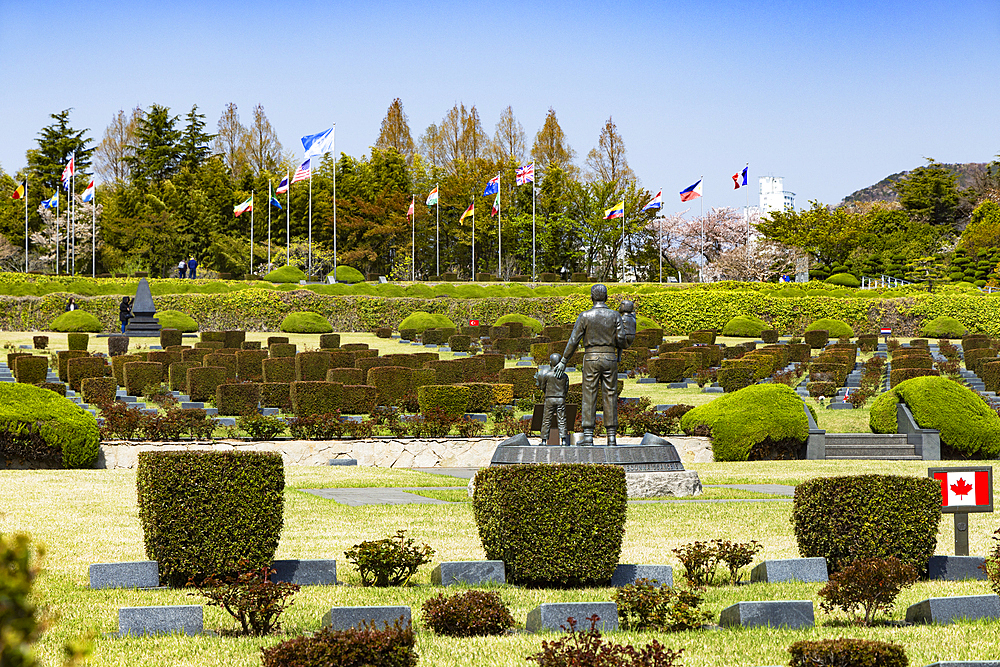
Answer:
(886, 331)
(964, 490)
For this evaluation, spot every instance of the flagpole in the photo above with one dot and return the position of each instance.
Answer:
(659, 241)
(623, 244)
(26, 223)
(309, 264)
(93, 234)
(333, 144)
(533, 273)
(288, 219)
(473, 238)
(269, 223)
(746, 212)
(250, 272)
(413, 242)
(70, 226)
(58, 205)
(437, 231)
(499, 233)
(703, 258)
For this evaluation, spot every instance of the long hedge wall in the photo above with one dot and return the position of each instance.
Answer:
(678, 312)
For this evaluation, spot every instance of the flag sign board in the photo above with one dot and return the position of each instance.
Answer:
(473, 323)
(886, 331)
(965, 489)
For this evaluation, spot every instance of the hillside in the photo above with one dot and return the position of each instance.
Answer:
(883, 190)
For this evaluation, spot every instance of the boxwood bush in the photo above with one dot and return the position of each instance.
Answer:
(943, 327)
(843, 279)
(237, 398)
(275, 395)
(357, 399)
(847, 651)
(30, 369)
(306, 322)
(757, 422)
(98, 390)
(419, 320)
(250, 365)
(141, 374)
(348, 274)
(85, 367)
(834, 328)
(175, 319)
(202, 382)
(867, 516)
(452, 399)
(552, 524)
(311, 365)
(523, 379)
(286, 274)
(523, 320)
(210, 513)
(392, 383)
(329, 341)
(816, 338)
(227, 361)
(40, 425)
(76, 320)
(278, 369)
(315, 398)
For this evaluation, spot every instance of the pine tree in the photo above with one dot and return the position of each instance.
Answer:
(157, 146)
(194, 142)
(55, 145)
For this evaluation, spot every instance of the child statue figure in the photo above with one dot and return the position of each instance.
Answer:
(554, 388)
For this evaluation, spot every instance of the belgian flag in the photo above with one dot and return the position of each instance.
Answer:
(19, 193)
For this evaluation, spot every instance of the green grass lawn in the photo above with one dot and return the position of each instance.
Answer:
(90, 516)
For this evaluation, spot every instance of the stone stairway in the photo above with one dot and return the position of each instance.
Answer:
(872, 446)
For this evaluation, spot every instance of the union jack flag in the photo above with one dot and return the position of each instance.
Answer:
(525, 174)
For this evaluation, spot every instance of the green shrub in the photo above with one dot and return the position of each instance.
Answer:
(227, 361)
(645, 605)
(118, 366)
(21, 620)
(77, 341)
(912, 361)
(330, 341)
(85, 367)
(524, 320)
(736, 374)
(643, 322)
(40, 425)
(419, 321)
(523, 379)
(275, 394)
(459, 343)
(366, 646)
(175, 319)
(286, 274)
(552, 524)
(467, 614)
(237, 398)
(973, 357)
(348, 274)
(757, 422)
(76, 320)
(170, 337)
(867, 516)
(667, 368)
(816, 338)
(30, 369)
(943, 327)
(63, 357)
(311, 366)
(843, 279)
(315, 398)
(847, 652)
(745, 326)
(141, 374)
(346, 375)
(357, 399)
(834, 328)
(869, 584)
(233, 339)
(202, 382)
(586, 647)
(278, 369)
(388, 562)
(98, 390)
(250, 597)
(250, 365)
(704, 337)
(452, 399)
(210, 513)
(482, 397)
(393, 384)
(305, 322)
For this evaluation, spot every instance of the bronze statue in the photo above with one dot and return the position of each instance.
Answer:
(554, 388)
(604, 334)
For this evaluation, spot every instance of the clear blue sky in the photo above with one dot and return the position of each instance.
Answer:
(833, 96)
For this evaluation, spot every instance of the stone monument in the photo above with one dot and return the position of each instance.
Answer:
(143, 323)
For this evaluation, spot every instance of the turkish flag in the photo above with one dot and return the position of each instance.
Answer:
(964, 488)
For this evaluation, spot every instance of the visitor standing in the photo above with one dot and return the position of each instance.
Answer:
(182, 269)
(193, 267)
(125, 312)
(72, 304)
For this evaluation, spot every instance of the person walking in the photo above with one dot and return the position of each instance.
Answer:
(125, 312)
(181, 269)
(193, 268)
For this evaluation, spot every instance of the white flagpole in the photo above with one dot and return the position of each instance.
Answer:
(58, 204)
(623, 242)
(499, 233)
(473, 237)
(309, 266)
(746, 212)
(413, 242)
(93, 234)
(334, 146)
(437, 230)
(533, 273)
(25, 223)
(703, 258)
(70, 228)
(250, 272)
(288, 219)
(659, 238)
(268, 223)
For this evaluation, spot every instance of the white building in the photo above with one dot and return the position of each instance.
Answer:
(773, 196)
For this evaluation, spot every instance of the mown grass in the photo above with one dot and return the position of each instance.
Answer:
(85, 517)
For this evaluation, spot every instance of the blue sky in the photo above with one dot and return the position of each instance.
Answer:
(830, 96)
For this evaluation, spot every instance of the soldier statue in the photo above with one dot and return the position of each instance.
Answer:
(554, 389)
(604, 334)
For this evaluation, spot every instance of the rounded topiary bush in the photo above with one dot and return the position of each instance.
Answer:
(843, 279)
(867, 516)
(834, 328)
(967, 424)
(524, 320)
(76, 320)
(744, 326)
(40, 426)
(418, 321)
(305, 322)
(816, 338)
(467, 614)
(943, 327)
(175, 319)
(552, 524)
(758, 422)
(643, 322)
(208, 513)
(348, 274)
(286, 274)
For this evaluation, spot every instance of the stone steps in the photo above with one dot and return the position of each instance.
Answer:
(874, 446)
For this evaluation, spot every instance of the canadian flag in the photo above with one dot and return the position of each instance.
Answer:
(964, 488)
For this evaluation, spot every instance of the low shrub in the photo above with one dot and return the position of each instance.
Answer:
(276, 395)
(141, 374)
(175, 319)
(210, 513)
(847, 652)
(943, 327)
(365, 646)
(98, 390)
(419, 321)
(331, 341)
(453, 400)
(703, 337)
(526, 322)
(77, 341)
(867, 516)
(63, 357)
(311, 366)
(467, 614)
(974, 356)
(834, 328)
(388, 562)
(523, 379)
(237, 398)
(281, 350)
(30, 369)
(736, 374)
(816, 338)
(579, 647)
(744, 326)
(305, 322)
(552, 524)
(393, 384)
(170, 337)
(286, 274)
(869, 584)
(348, 274)
(769, 336)
(250, 365)
(227, 361)
(76, 320)
(203, 381)
(40, 342)
(843, 279)
(39, 426)
(315, 398)
(86, 367)
(278, 369)
(357, 399)
(251, 598)
(645, 605)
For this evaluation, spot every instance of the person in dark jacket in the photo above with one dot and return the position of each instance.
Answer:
(125, 311)
(71, 305)
(192, 267)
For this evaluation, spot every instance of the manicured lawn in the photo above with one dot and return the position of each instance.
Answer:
(85, 517)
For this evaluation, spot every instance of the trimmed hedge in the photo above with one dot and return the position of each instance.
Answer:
(769, 335)
(204, 513)
(315, 398)
(98, 390)
(899, 375)
(41, 426)
(482, 397)
(250, 365)
(233, 339)
(816, 338)
(392, 383)
(177, 375)
(76, 320)
(459, 343)
(85, 367)
(848, 652)
(526, 322)
(279, 369)
(170, 337)
(552, 524)
(867, 516)
(348, 274)
(286, 274)
(364, 646)
(227, 361)
(835, 328)
(118, 366)
(164, 357)
(275, 395)
(346, 375)
(63, 357)
(749, 422)
(329, 341)
(30, 369)
(311, 366)
(974, 356)
(523, 379)
(141, 374)
(357, 399)
(202, 382)
(736, 374)
(278, 350)
(668, 367)
(175, 319)
(77, 341)
(704, 337)
(306, 322)
(943, 327)
(195, 354)
(419, 321)
(452, 399)
(843, 279)
(272, 340)
(237, 398)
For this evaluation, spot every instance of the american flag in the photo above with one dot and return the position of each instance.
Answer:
(302, 173)
(525, 174)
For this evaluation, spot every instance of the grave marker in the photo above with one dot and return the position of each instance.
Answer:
(964, 490)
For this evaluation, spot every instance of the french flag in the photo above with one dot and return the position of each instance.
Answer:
(691, 192)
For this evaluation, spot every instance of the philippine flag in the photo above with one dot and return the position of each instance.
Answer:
(655, 202)
(964, 488)
(691, 192)
(88, 194)
(493, 186)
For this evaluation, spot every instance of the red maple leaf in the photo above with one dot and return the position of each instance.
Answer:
(961, 488)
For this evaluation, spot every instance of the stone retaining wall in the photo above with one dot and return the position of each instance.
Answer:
(377, 452)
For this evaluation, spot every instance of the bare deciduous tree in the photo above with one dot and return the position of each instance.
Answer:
(111, 155)
(229, 142)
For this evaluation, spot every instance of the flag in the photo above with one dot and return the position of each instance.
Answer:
(302, 173)
(691, 192)
(655, 202)
(493, 186)
(432, 198)
(469, 211)
(964, 487)
(52, 202)
(318, 144)
(69, 170)
(616, 211)
(88, 194)
(525, 174)
(244, 207)
(745, 174)
(409, 211)
(496, 205)
(736, 181)
(282, 187)
(275, 202)
(19, 192)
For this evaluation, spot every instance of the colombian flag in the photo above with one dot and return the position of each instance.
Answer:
(471, 211)
(616, 211)
(19, 193)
